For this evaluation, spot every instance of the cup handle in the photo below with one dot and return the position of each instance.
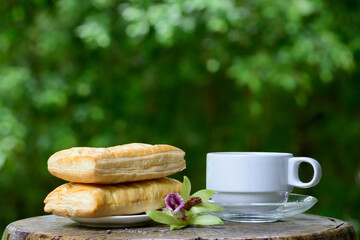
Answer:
(293, 171)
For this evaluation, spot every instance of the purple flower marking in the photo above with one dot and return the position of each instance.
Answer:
(175, 204)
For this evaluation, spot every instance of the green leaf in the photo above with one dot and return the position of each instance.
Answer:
(203, 207)
(177, 227)
(205, 220)
(168, 212)
(185, 189)
(204, 194)
(162, 217)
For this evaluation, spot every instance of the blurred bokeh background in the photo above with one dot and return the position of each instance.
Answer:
(202, 75)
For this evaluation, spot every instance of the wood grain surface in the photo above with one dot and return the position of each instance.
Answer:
(300, 227)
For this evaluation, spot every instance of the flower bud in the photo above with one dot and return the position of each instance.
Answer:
(192, 202)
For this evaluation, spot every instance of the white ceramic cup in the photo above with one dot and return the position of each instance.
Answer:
(256, 177)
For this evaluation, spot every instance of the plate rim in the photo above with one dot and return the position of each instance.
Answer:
(111, 221)
(130, 216)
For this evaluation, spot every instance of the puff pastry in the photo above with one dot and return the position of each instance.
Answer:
(92, 200)
(123, 163)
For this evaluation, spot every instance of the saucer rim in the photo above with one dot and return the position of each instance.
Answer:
(255, 212)
(309, 199)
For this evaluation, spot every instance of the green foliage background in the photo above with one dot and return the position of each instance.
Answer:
(203, 75)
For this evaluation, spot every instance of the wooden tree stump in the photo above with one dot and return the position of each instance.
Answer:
(302, 226)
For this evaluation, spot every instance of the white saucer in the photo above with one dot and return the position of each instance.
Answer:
(265, 212)
(114, 221)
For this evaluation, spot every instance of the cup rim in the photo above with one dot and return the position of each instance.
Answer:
(250, 153)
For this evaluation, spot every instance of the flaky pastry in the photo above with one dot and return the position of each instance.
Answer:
(96, 200)
(123, 163)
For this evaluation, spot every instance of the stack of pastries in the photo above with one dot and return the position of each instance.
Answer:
(120, 180)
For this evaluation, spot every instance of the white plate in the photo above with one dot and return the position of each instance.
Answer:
(265, 212)
(114, 221)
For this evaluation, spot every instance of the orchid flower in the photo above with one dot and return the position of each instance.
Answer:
(175, 204)
(184, 209)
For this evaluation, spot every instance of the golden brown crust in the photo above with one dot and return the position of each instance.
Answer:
(91, 200)
(123, 163)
